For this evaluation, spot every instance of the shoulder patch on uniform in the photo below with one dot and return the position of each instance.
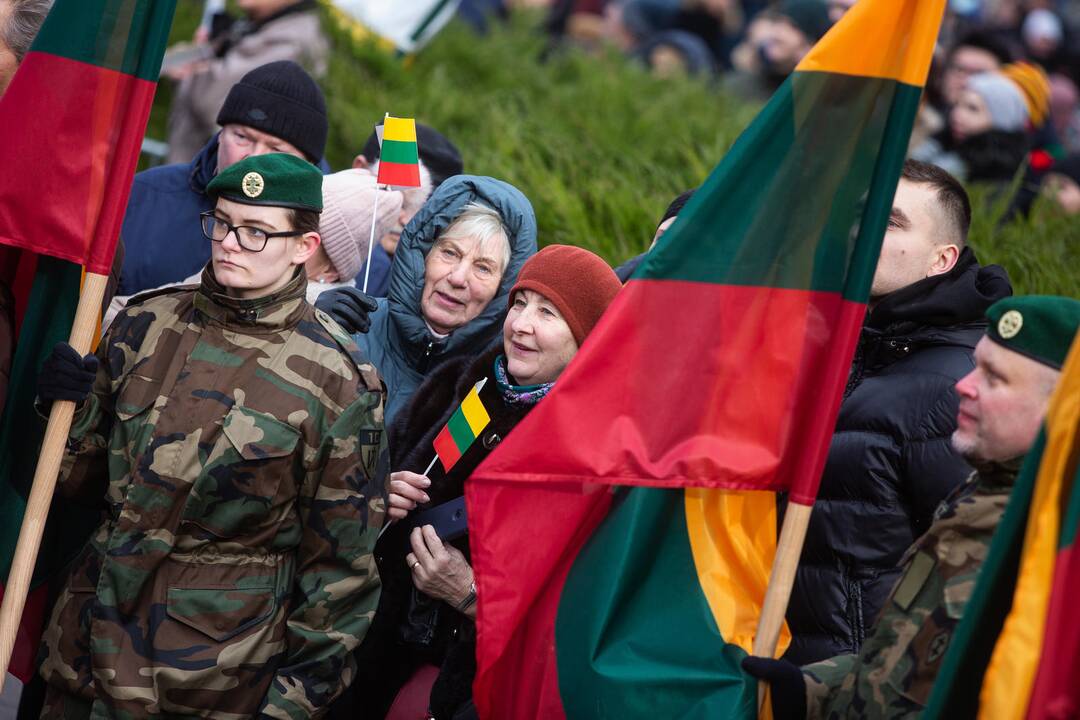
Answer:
(350, 348)
(913, 580)
(142, 297)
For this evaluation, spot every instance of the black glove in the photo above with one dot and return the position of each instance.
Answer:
(787, 684)
(349, 307)
(66, 376)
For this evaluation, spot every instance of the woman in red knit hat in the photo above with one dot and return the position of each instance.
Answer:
(425, 623)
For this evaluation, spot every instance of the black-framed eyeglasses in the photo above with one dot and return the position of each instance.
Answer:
(250, 238)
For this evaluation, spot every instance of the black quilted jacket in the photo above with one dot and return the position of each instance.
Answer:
(890, 462)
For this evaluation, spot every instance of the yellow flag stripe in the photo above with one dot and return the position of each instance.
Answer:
(733, 541)
(399, 129)
(474, 411)
(1010, 676)
(892, 39)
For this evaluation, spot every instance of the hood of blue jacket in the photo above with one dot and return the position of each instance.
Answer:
(417, 239)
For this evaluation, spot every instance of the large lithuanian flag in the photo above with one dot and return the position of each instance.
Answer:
(1016, 653)
(715, 378)
(73, 119)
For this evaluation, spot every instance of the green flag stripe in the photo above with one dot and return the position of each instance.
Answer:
(50, 313)
(396, 151)
(1070, 523)
(634, 631)
(460, 431)
(128, 36)
(751, 221)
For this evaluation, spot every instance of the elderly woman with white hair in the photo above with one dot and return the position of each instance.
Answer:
(455, 263)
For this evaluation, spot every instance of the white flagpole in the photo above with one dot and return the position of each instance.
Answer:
(374, 213)
(371, 240)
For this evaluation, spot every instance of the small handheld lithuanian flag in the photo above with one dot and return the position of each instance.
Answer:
(465, 425)
(399, 158)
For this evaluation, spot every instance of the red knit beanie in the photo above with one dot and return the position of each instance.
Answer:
(577, 282)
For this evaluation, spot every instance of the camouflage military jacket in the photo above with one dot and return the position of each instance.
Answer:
(239, 447)
(894, 671)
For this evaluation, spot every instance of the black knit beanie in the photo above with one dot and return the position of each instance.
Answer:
(280, 99)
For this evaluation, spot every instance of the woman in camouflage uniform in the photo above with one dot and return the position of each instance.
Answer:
(236, 436)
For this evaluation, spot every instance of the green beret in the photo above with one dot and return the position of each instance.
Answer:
(276, 179)
(1042, 327)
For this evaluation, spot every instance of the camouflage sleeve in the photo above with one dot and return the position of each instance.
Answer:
(84, 473)
(825, 679)
(337, 586)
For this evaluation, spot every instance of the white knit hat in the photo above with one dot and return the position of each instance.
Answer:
(1004, 100)
(345, 224)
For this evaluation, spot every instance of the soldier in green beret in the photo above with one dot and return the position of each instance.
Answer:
(1003, 401)
(233, 436)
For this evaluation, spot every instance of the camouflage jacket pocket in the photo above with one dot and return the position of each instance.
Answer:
(256, 435)
(239, 483)
(220, 613)
(136, 395)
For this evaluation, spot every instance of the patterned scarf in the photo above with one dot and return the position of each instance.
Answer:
(518, 394)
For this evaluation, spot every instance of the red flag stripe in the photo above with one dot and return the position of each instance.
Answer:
(749, 407)
(93, 158)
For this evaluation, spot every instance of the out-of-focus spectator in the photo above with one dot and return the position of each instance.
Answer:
(20, 21)
(269, 30)
(1062, 184)
(837, 8)
(775, 44)
(1065, 112)
(686, 27)
(987, 138)
(1043, 35)
(974, 53)
(674, 52)
(274, 108)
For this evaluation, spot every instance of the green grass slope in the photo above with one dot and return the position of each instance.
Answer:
(598, 145)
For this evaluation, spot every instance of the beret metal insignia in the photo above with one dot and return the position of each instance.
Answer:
(252, 184)
(1009, 325)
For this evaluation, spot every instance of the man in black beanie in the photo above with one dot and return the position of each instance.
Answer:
(276, 107)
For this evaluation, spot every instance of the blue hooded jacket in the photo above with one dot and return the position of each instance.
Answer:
(162, 233)
(399, 343)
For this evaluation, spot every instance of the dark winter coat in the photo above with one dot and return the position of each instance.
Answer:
(411, 629)
(399, 342)
(994, 156)
(162, 231)
(890, 462)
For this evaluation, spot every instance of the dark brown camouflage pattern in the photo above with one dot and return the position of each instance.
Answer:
(894, 672)
(240, 449)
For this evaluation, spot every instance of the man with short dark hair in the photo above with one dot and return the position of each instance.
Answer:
(890, 462)
(1003, 401)
(276, 107)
